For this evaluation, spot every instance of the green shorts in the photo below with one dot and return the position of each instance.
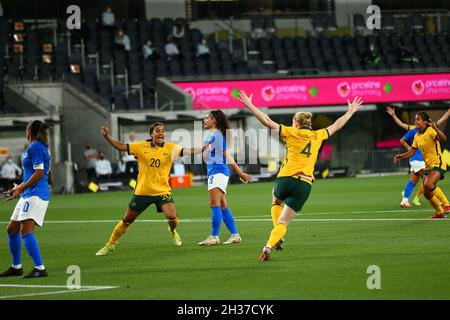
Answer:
(140, 203)
(292, 191)
(438, 169)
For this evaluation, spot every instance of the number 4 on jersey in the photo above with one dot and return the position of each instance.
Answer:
(307, 150)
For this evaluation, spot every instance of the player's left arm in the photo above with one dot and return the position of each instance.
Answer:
(193, 150)
(443, 118)
(352, 108)
(244, 176)
(441, 137)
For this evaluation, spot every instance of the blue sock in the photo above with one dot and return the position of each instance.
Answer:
(216, 220)
(32, 247)
(229, 221)
(409, 189)
(15, 246)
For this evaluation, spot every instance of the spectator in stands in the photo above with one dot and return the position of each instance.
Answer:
(149, 51)
(103, 168)
(90, 155)
(371, 56)
(131, 164)
(178, 29)
(108, 18)
(121, 167)
(10, 174)
(403, 54)
(203, 50)
(431, 25)
(122, 41)
(171, 49)
(1, 10)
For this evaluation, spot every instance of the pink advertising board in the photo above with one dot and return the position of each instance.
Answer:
(319, 91)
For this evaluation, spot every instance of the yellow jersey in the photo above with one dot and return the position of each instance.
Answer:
(154, 163)
(430, 147)
(302, 149)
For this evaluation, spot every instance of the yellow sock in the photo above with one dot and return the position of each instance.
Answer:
(435, 204)
(420, 191)
(441, 196)
(275, 211)
(277, 233)
(172, 224)
(118, 231)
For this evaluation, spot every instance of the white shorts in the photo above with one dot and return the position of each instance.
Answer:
(218, 180)
(30, 208)
(416, 165)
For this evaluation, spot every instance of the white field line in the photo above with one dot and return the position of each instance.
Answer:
(249, 220)
(82, 289)
(242, 218)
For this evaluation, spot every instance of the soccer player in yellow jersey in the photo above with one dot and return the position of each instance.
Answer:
(417, 163)
(428, 141)
(295, 178)
(155, 159)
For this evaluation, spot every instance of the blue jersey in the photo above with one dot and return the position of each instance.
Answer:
(36, 156)
(215, 158)
(409, 138)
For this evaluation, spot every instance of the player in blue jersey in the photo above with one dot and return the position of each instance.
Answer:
(32, 205)
(416, 162)
(216, 158)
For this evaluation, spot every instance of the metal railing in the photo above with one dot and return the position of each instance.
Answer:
(370, 161)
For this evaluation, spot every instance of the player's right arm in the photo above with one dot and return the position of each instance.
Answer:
(115, 143)
(261, 116)
(352, 108)
(408, 154)
(400, 123)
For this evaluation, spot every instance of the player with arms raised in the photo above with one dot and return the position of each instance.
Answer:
(295, 178)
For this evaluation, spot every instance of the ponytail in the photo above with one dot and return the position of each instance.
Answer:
(39, 130)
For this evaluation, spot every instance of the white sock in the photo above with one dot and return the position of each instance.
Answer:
(40, 267)
(404, 199)
(17, 266)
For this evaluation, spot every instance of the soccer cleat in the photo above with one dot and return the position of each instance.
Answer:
(438, 216)
(107, 249)
(405, 204)
(175, 237)
(235, 238)
(416, 202)
(36, 273)
(447, 209)
(280, 245)
(210, 241)
(12, 272)
(265, 255)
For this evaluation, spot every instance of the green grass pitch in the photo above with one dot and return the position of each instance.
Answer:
(346, 226)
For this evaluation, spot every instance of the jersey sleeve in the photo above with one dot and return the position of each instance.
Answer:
(134, 149)
(410, 127)
(37, 157)
(409, 135)
(322, 134)
(433, 133)
(285, 131)
(177, 151)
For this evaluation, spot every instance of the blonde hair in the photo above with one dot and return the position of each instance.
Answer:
(304, 118)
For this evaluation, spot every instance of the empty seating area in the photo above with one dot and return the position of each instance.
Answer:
(123, 77)
(345, 54)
